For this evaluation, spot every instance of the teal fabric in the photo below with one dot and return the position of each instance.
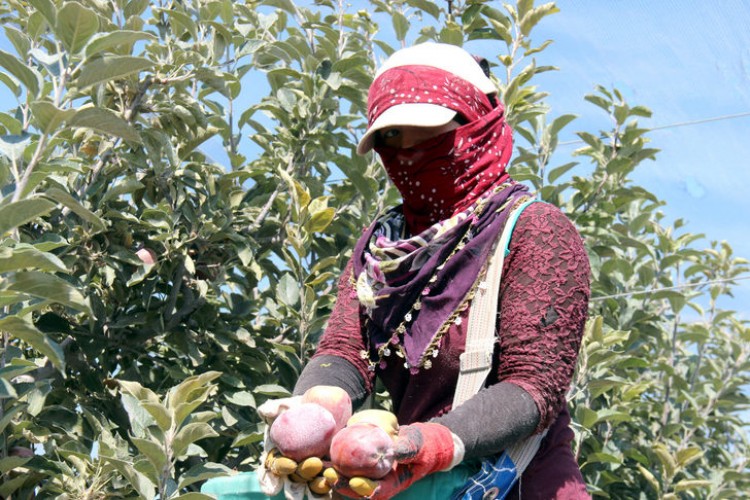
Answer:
(242, 486)
(513, 221)
(440, 485)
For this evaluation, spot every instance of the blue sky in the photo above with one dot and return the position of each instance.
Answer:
(689, 62)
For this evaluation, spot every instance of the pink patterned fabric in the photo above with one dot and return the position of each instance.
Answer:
(448, 173)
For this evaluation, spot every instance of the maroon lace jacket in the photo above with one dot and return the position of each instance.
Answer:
(543, 306)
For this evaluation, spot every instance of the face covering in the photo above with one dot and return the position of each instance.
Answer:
(447, 173)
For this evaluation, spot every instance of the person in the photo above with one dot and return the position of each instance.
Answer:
(436, 122)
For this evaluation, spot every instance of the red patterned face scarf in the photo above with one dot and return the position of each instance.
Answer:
(447, 173)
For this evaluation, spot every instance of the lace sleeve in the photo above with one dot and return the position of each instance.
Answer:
(543, 306)
(343, 336)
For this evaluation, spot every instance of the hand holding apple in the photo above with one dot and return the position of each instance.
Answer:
(299, 437)
(418, 450)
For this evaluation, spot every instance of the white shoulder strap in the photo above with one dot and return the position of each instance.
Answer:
(476, 361)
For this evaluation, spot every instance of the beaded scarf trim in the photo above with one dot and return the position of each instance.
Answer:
(395, 345)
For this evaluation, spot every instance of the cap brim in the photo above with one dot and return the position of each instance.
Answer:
(406, 115)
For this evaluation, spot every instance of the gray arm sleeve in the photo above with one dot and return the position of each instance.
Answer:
(336, 371)
(491, 420)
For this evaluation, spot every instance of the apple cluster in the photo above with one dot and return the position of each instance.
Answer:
(320, 440)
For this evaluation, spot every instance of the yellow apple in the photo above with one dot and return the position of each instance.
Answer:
(382, 418)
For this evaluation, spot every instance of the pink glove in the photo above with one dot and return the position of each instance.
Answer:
(420, 449)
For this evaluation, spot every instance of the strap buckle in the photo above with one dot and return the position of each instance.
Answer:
(475, 360)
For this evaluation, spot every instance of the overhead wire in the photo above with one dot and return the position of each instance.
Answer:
(678, 124)
(668, 288)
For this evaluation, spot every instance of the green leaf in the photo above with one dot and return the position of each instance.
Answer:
(502, 28)
(452, 35)
(13, 146)
(532, 18)
(123, 186)
(10, 414)
(189, 394)
(137, 480)
(75, 25)
(49, 287)
(272, 390)
(10, 463)
(10, 486)
(161, 414)
(25, 74)
(426, 6)
(288, 290)
(189, 434)
(247, 437)
(649, 477)
(400, 25)
(320, 220)
(185, 391)
(28, 257)
(48, 116)
(20, 40)
(6, 390)
(241, 398)
(108, 41)
(203, 472)
(602, 457)
(559, 123)
(17, 366)
(47, 9)
(599, 101)
(20, 212)
(688, 455)
(154, 452)
(666, 459)
(287, 99)
(523, 7)
(140, 274)
(557, 172)
(193, 496)
(138, 391)
(135, 8)
(110, 68)
(15, 128)
(692, 484)
(586, 416)
(24, 329)
(66, 199)
(140, 419)
(10, 298)
(538, 49)
(105, 121)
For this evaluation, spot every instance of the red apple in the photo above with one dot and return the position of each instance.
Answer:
(332, 398)
(362, 450)
(304, 431)
(147, 256)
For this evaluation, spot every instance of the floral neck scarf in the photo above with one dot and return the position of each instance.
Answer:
(412, 289)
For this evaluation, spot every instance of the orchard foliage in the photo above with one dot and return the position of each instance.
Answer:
(179, 193)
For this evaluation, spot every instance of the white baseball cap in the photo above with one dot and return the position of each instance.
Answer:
(446, 57)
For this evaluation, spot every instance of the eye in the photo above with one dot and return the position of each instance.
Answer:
(390, 133)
